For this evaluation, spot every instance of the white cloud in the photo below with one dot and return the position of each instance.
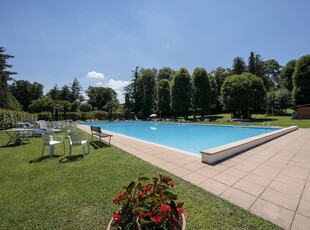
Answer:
(99, 83)
(117, 85)
(94, 74)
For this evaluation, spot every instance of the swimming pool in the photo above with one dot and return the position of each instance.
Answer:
(187, 137)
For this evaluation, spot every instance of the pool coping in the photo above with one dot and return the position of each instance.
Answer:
(213, 155)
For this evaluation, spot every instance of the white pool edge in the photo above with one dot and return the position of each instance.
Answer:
(213, 155)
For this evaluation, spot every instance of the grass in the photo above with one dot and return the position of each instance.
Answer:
(258, 119)
(61, 193)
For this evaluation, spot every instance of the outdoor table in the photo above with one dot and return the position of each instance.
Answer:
(18, 135)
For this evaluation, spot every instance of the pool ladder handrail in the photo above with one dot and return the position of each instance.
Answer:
(266, 126)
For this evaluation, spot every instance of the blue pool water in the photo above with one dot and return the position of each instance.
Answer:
(187, 137)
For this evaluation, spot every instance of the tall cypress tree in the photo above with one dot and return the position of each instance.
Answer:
(181, 94)
(202, 90)
(6, 98)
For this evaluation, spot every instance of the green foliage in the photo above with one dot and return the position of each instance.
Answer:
(301, 81)
(42, 104)
(100, 96)
(8, 118)
(45, 116)
(278, 101)
(271, 73)
(25, 92)
(165, 73)
(238, 66)
(287, 75)
(255, 64)
(164, 100)
(65, 94)
(181, 92)
(202, 90)
(148, 89)
(243, 92)
(86, 107)
(54, 93)
(76, 90)
(6, 97)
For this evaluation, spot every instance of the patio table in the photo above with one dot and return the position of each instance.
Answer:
(18, 135)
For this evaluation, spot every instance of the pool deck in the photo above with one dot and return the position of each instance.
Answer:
(271, 180)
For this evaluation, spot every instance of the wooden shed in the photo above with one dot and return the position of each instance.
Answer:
(302, 111)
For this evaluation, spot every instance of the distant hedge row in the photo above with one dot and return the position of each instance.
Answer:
(99, 115)
(8, 118)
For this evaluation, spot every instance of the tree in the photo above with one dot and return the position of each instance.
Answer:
(271, 73)
(165, 73)
(278, 101)
(255, 64)
(25, 92)
(6, 98)
(202, 90)
(243, 92)
(181, 92)
(54, 93)
(147, 88)
(238, 66)
(76, 90)
(218, 75)
(164, 97)
(286, 75)
(100, 96)
(42, 104)
(65, 94)
(301, 81)
(85, 107)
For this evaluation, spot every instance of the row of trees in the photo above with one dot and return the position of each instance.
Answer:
(257, 84)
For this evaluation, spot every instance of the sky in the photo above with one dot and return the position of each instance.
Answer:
(100, 42)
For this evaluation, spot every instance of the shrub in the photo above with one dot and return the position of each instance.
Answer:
(8, 118)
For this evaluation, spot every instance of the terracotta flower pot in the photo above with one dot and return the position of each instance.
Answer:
(183, 223)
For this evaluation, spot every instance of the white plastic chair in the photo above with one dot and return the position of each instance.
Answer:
(48, 140)
(76, 138)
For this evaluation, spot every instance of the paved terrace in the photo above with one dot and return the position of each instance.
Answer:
(271, 180)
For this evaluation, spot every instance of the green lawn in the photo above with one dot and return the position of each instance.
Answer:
(258, 119)
(77, 193)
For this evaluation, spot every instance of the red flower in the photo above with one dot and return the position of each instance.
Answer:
(116, 216)
(141, 215)
(164, 208)
(148, 187)
(171, 184)
(150, 213)
(141, 194)
(117, 201)
(120, 194)
(156, 219)
(180, 211)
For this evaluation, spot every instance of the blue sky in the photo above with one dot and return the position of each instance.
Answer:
(100, 42)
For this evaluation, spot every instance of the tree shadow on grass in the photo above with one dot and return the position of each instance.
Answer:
(263, 119)
(213, 118)
(43, 158)
(98, 144)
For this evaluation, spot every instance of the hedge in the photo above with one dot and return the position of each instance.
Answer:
(8, 118)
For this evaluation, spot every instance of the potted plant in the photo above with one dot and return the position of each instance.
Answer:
(145, 205)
